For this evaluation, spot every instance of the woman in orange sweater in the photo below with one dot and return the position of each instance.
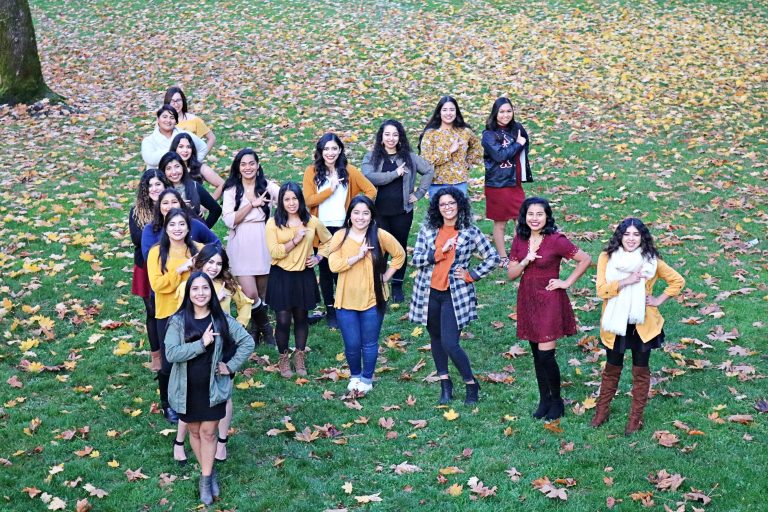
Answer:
(359, 256)
(630, 320)
(329, 186)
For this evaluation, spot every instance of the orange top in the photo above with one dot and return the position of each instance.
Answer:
(444, 260)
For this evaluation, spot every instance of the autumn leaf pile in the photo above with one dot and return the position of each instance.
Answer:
(634, 108)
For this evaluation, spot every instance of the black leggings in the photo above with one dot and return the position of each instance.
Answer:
(398, 226)
(639, 358)
(327, 278)
(149, 308)
(283, 329)
(444, 335)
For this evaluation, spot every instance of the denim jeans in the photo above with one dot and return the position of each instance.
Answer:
(360, 331)
(461, 186)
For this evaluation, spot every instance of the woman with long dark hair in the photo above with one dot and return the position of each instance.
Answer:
(168, 265)
(359, 256)
(155, 145)
(544, 312)
(392, 167)
(292, 289)
(184, 145)
(151, 185)
(193, 193)
(169, 199)
(206, 347)
(627, 270)
(329, 185)
(449, 144)
(248, 197)
(443, 292)
(189, 122)
(505, 153)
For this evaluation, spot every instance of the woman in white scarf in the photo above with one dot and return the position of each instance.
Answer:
(626, 273)
(155, 145)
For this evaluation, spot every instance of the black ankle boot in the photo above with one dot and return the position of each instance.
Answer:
(446, 391)
(472, 392)
(397, 293)
(331, 318)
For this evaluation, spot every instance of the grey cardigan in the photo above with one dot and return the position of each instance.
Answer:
(379, 178)
(178, 352)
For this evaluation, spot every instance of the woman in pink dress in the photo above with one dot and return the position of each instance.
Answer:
(544, 312)
(248, 197)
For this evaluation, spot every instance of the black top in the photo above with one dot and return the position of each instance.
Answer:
(389, 197)
(201, 363)
(136, 232)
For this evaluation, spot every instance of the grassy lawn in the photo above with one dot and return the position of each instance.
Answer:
(652, 109)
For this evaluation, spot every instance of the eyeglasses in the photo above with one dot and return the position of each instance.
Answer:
(177, 100)
(450, 204)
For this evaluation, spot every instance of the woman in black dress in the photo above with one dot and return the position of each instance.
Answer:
(206, 347)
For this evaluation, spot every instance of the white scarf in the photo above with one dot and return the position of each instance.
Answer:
(629, 305)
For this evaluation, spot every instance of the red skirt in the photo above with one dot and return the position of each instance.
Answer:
(140, 282)
(504, 203)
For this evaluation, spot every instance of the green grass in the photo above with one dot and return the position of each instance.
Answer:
(650, 109)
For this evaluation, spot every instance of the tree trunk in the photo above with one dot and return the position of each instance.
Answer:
(21, 78)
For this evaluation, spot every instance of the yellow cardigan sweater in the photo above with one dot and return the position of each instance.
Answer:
(355, 287)
(165, 284)
(295, 260)
(653, 323)
(357, 184)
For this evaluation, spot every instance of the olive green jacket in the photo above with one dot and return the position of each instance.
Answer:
(178, 353)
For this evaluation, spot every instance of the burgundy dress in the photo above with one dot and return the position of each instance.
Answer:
(542, 315)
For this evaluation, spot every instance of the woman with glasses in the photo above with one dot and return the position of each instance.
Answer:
(189, 122)
(443, 292)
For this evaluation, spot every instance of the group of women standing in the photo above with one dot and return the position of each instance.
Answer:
(353, 224)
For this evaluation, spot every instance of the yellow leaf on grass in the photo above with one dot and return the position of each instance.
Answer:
(590, 403)
(340, 356)
(256, 405)
(113, 464)
(35, 367)
(123, 347)
(454, 490)
(416, 332)
(87, 256)
(450, 415)
(347, 487)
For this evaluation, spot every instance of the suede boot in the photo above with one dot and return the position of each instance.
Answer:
(205, 490)
(608, 387)
(641, 384)
(299, 363)
(215, 491)
(284, 364)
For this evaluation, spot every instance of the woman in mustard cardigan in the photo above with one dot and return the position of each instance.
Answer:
(329, 185)
(359, 255)
(630, 320)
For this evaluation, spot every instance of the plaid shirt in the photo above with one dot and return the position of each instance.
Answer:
(462, 293)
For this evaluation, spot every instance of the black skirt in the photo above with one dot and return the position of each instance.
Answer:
(198, 385)
(287, 290)
(632, 341)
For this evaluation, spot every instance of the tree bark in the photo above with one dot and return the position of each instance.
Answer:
(21, 78)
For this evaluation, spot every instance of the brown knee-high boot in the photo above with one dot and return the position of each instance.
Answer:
(641, 384)
(608, 387)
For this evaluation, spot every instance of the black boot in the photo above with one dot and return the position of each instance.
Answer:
(472, 392)
(253, 326)
(552, 374)
(215, 490)
(205, 490)
(168, 412)
(263, 326)
(331, 318)
(544, 397)
(397, 292)
(446, 391)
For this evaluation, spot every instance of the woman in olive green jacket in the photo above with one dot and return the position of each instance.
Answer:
(206, 347)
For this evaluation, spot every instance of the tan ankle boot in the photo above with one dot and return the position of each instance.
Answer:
(284, 364)
(299, 362)
(157, 362)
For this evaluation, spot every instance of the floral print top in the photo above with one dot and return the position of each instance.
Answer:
(451, 168)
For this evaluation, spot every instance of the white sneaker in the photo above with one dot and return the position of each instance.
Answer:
(353, 383)
(362, 387)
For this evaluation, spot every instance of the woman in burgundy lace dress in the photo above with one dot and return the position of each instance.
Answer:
(544, 312)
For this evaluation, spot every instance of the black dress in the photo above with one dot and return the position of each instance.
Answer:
(199, 382)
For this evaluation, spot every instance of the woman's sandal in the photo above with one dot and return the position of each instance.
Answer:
(181, 462)
(224, 442)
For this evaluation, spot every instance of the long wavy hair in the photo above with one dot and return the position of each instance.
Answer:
(321, 170)
(190, 185)
(209, 251)
(235, 179)
(186, 314)
(158, 219)
(435, 219)
(378, 154)
(372, 239)
(435, 121)
(144, 207)
(522, 229)
(165, 240)
(647, 246)
(281, 215)
(169, 96)
(193, 164)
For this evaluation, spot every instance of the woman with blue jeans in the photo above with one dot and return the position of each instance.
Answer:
(359, 256)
